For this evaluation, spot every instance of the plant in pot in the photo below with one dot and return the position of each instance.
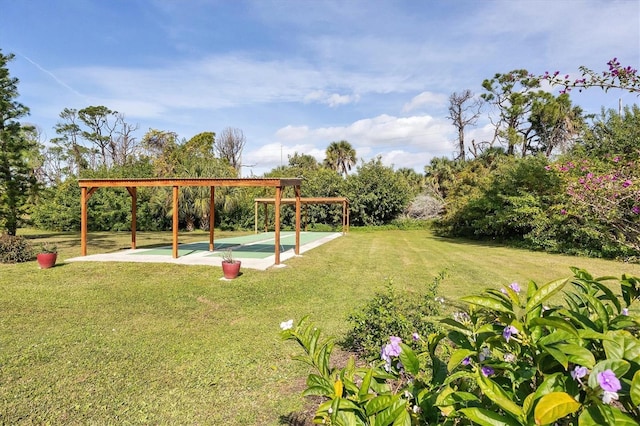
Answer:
(230, 266)
(47, 255)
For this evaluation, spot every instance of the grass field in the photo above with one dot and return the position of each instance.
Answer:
(131, 343)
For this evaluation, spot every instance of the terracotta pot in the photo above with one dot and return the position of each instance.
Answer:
(46, 260)
(231, 269)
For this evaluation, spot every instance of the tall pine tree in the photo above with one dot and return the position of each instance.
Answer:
(16, 177)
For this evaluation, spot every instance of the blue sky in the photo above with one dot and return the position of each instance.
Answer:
(296, 75)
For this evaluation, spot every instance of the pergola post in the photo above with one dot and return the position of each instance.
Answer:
(212, 212)
(297, 191)
(255, 217)
(134, 205)
(83, 221)
(175, 222)
(277, 219)
(85, 194)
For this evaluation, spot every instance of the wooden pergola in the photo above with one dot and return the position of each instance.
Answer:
(89, 186)
(304, 201)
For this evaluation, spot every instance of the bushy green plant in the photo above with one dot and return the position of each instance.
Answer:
(14, 249)
(393, 313)
(516, 360)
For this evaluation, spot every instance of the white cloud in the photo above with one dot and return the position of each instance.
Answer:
(333, 99)
(425, 99)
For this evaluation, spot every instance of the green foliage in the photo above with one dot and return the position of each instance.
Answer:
(14, 249)
(393, 313)
(376, 194)
(505, 204)
(517, 359)
(17, 180)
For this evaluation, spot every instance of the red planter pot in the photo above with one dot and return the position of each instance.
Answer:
(46, 260)
(231, 270)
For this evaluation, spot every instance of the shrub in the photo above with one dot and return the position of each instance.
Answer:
(516, 360)
(14, 249)
(393, 313)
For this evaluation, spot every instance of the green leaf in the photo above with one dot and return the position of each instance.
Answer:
(378, 404)
(494, 392)
(392, 412)
(599, 308)
(404, 419)
(577, 354)
(488, 302)
(485, 417)
(457, 356)
(409, 360)
(457, 325)
(558, 355)
(318, 385)
(545, 292)
(366, 383)
(634, 392)
(554, 406)
(601, 414)
(557, 323)
(621, 344)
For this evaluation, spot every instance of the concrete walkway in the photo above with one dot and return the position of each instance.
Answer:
(242, 252)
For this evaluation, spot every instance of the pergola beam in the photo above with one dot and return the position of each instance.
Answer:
(89, 186)
(298, 201)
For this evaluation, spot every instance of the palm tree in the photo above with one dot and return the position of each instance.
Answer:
(340, 156)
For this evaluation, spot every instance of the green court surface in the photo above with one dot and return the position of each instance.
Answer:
(255, 246)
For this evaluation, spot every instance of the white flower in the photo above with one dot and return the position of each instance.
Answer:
(511, 358)
(607, 397)
(416, 409)
(286, 325)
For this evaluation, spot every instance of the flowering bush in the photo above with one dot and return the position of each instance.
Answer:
(515, 360)
(393, 312)
(616, 77)
(610, 192)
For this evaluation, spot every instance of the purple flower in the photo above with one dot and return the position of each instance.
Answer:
(578, 373)
(515, 287)
(608, 381)
(563, 212)
(627, 183)
(625, 311)
(466, 361)
(389, 350)
(509, 331)
(487, 371)
(415, 337)
(635, 209)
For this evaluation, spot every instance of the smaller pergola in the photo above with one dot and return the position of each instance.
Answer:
(305, 202)
(89, 186)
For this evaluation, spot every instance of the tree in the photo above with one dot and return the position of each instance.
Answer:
(230, 146)
(555, 121)
(340, 156)
(161, 146)
(376, 194)
(512, 93)
(464, 111)
(201, 145)
(303, 161)
(17, 179)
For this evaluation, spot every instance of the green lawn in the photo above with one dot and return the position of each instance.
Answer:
(135, 343)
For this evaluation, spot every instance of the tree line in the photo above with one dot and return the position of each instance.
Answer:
(548, 178)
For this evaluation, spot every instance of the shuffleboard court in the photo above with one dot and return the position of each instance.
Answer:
(256, 251)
